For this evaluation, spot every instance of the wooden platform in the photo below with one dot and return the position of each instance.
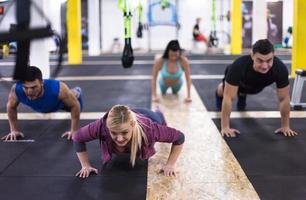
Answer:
(207, 168)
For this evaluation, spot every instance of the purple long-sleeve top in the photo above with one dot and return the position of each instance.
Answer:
(155, 133)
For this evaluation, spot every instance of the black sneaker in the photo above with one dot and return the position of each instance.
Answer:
(218, 101)
(241, 103)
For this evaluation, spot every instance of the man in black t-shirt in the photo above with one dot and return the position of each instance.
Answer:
(249, 75)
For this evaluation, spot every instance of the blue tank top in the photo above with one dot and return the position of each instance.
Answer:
(47, 103)
(165, 74)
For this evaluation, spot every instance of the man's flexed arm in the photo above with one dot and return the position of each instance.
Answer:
(229, 93)
(284, 108)
(11, 108)
(70, 100)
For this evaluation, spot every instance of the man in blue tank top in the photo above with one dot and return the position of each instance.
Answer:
(43, 96)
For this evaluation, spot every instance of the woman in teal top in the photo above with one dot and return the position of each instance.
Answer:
(171, 66)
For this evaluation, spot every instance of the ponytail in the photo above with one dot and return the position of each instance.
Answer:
(120, 114)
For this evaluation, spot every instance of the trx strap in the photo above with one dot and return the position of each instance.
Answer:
(127, 55)
(213, 40)
(139, 15)
(22, 34)
(23, 46)
(164, 4)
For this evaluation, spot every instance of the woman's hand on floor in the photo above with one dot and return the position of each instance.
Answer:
(85, 172)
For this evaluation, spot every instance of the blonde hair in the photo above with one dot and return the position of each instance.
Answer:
(120, 114)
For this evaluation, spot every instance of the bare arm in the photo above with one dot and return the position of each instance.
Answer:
(169, 168)
(284, 106)
(11, 108)
(156, 68)
(186, 66)
(70, 101)
(230, 91)
(83, 158)
(174, 154)
(85, 134)
(170, 135)
(86, 167)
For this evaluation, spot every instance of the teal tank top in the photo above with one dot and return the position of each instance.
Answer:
(166, 75)
(47, 103)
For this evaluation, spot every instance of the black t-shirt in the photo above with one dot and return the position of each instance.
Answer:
(242, 74)
(196, 27)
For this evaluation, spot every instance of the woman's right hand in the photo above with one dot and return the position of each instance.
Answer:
(12, 136)
(168, 170)
(155, 99)
(229, 132)
(85, 172)
(187, 100)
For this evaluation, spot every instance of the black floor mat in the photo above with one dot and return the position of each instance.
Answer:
(264, 101)
(11, 151)
(100, 96)
(265, 156)
(63, 188)
(280, 187)
(46, 169)
(51, 170)
(109, 70)
(143, 69)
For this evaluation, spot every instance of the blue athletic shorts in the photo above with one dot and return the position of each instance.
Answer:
(175, 88)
